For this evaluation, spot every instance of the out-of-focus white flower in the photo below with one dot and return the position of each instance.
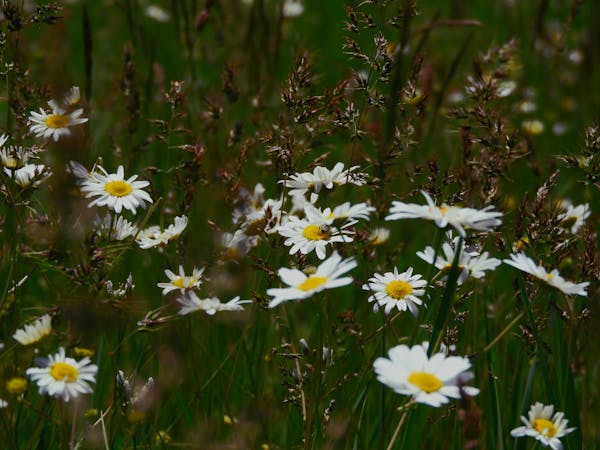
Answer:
(154, 236)
(190, 303)
(30, 175)
(526, 264)
(543, 426)
(56, 123)
(34, 332)
(573, 217)
(157, 13)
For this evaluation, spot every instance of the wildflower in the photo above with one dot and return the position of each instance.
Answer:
(16, 385)
(13, 158)
(292, 8)
(543, 426)
(256, 215)
(157, 13)
(526, 264)
(470, 263)
(236, 245)
(393, 289)
(312, 233)
(460, 218)
(64, 377)
(409, 371)
(30, 175)
(302, 286)
(73, 97)
(114, 191)
(300, 183)
(154, 236)
(379, 236)
(573, 216)
(114, 229)
(181, 281)
(34, 332)
(3, 403)
(56, 123)
(190, 303)
(347, 211)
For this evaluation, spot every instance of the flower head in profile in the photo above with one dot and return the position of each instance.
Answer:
(573, 217)
(30, 175)
(34, 332)
(313, 233)
(321, 177)
(236, 245)
(301, 285)
(56, 123)
(181, 281)
(190, 303)
(114, 229)
(114, 191)
(543, 426)
(396, 290)
(155, 236)
(460, 218)
(527, 265)
(433, 381)
(471, 263)
(64, 377)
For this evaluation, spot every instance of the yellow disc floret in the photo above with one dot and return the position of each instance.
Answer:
(425, 381)
(544, 427)
(398, 289)
(61, 371)
(57, 121)
(312, 283)
(118, 188)
(316, 232)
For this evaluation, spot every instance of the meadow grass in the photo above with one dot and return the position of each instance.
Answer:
(477, 104)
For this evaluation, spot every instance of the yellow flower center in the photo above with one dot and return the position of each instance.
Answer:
(544, 427)
(118, 188)
(425, 381)
(444, 210)
(316, 232)
(179, 282)
(312, 283)
(56, 121)
(16, 385)
(549, 276)
(398, 289)
(61, 371)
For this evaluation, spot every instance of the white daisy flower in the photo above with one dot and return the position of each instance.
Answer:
(313, 233)
(236, 245)
(30, 175)
(117, 230)
(14, 158)
(574, 216)
(114, 191)
(470, 263)
(34, 332)
(527, 265)
(64, 377)
(157, 13)
(56, 123)
(460, 218)
(181, 281)
(154, 236)
(190, 303)
(254, 214)
(73, 97)
(353, 212)
(396, 290)
(302, 286)
(409, 371)
(543, 426)
(379, 236)
(300, 183)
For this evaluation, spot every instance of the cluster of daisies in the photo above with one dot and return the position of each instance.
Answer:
(305, 223)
